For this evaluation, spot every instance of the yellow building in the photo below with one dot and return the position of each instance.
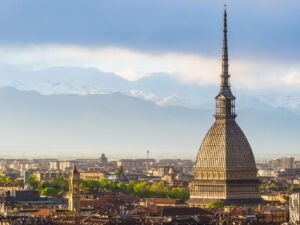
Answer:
(274, 197)
(74, 192)
(91, 175)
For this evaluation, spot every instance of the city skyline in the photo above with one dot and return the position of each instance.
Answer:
(149, 112)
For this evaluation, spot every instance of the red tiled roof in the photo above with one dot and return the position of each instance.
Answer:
(42, 213)
(274, 193)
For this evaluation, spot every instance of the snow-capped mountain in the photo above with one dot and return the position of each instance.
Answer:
(161, 89)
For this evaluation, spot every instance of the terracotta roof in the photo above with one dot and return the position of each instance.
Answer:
(274, 194)
(42, 213)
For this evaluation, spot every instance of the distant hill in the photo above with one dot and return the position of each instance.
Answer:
(123, 126)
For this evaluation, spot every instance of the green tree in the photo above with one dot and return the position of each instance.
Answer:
(60, 183)
(216, 204)
(158, 190)
(104, 182)
(49, 191)
(141, 190)
(274, 186)
(122, 187)
(179, 193)
(130, 188)
(90, 185)
(33, 181)
(8, 179)
(295, 187)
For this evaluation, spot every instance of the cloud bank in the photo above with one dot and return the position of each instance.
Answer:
(132, 65)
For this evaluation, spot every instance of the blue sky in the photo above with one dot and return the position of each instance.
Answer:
(162, 36)
(135, 39)
(257, 28)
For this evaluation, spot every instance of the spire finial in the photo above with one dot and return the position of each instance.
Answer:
(225, 74)
(225, 106)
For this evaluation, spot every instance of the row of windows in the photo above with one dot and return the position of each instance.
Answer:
(209, 188)
(243, 188)
(225, 107)
(209, 175)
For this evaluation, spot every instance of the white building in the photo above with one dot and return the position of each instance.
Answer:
(294, 208)
(266, 173)
(49, 175)
(65, 165)
(54, 165)
(135, 164)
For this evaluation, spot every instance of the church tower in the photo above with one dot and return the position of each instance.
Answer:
(225, 168)
(74, 192)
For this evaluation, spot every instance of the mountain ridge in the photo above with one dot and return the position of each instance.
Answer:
(124, 126)
(161, 88)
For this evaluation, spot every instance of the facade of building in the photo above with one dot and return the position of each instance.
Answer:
(288, 162)
(294, 208)
(282, 163)
(135, 164)
(49, 175)
(297, 164)
(275, 215)
(160, 171)
(266, 173)
(118, 175)
(54, 165)
(225, 167)
(74, 191)
(92, 175)
(10, 186)
(66, 165)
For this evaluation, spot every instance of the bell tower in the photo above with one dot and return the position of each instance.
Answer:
(74, 192)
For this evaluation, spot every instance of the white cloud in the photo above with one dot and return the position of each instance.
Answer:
(293, 78)
(133, 65)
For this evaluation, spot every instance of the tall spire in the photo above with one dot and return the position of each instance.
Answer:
(225, 74)
(225, 100)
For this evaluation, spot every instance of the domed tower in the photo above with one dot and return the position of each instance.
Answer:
(225, 167)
